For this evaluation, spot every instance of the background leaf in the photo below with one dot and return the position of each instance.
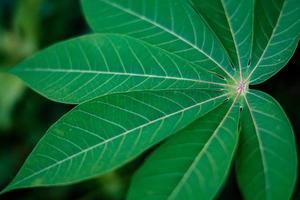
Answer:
(11, 90)
(266, 159)
(100, 135)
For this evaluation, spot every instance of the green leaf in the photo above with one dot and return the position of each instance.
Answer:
(170, 25)
(11, 90)
(156, 67)
(266, 158)
(194, 163)
(75, 69)
(277, 32)
(232, 21)
(96, 65)
(116, 128)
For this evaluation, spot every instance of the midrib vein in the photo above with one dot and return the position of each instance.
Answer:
(233, 37)
(268, 44)
(199, 156)
(264, 165)
(116, 73)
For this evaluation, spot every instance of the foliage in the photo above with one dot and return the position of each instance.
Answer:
(156, 68)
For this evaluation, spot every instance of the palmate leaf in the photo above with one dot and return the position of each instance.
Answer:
(194, 163)
(276, 35)
(96, 65)
(155, 68)
(170, 25)
(74, 149)
(266, 159)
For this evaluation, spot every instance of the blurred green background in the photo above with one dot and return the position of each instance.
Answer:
(29, 25)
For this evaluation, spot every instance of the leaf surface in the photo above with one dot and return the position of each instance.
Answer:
(232, 21)
(171, 25)
(100, 64)
(276, 35)
(194, 163)
(266, 158)
(102, 134)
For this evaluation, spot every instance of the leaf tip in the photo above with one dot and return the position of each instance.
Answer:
(15, 69)
(5, 190)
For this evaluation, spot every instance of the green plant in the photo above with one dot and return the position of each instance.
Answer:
(163, 67)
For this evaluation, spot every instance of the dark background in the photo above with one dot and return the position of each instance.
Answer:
(29, 25)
